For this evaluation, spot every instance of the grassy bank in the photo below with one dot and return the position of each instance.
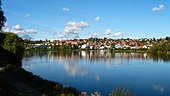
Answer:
(48, 88)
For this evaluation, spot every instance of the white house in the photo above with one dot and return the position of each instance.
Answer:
(119, 46)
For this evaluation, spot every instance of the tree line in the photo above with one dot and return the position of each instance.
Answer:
(160, 47)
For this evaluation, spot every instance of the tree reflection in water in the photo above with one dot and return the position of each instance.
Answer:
(102, 69)
(97, 55)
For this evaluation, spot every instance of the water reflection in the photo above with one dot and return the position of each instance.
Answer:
(72, 58)
(96, 55)
(102, 70)
(159, 88)
(97, 77)
(74, 69)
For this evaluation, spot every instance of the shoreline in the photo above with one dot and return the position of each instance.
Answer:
(45, 87)
(33, 82)
(108, 50)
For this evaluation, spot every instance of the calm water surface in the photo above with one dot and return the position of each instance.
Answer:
(90, 71)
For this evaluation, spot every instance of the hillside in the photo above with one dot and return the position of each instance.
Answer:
(7, 57)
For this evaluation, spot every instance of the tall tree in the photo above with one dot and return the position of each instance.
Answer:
(13, 43)
(2, 17)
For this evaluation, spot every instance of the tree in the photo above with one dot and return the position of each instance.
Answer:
(113, 44)
(167, 38)
(13, 43)
(168, 46)
(62, 47)
(160, 47)
(2, 17)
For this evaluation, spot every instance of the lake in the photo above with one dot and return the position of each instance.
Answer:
(90, 71)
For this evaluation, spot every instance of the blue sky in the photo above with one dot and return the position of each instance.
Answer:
(68, 19)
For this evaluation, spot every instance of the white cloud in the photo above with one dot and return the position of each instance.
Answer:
(31, 31)
(60, 36)
(71, 23)
(108, 33)
(6, 29)
(53, 33)
(117, 33)
(81, 24)
(66, 9)
(75, 26)
(27, 15)
(97, 19)
(74, 35)
(18, 29)
(26, 36)
(94, 35)
(72, 28)
(159, 8)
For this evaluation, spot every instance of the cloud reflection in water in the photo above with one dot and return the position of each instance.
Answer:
(97, 77)
(157, 87)
(74, 69)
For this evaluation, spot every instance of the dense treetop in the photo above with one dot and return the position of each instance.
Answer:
(2, 18)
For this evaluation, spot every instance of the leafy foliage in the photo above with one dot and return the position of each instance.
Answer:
(161, 47)
(2, 19)
(12, 43)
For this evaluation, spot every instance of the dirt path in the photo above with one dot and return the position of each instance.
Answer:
(23, 88)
